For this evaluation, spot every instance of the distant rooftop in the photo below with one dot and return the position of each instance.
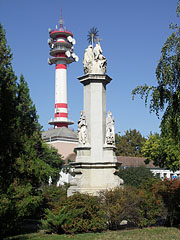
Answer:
(61, 133)
(134, 162)
(126, 161)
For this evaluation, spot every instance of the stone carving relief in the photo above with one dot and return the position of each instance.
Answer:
(94, 61)
(82, 129)
(110, 132)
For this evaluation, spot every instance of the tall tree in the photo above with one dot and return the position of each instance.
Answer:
(8, 120)
(27, 118)
(130, 143)
(24, 158)
(165, 96)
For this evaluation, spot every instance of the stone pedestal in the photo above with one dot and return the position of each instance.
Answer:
(96, 163)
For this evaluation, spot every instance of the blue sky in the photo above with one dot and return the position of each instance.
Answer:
(133, 34)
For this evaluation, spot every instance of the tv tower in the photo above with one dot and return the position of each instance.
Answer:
(61, 45)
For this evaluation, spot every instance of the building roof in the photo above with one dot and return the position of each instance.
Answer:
(126, 161)
(134, 162)
(61, 133)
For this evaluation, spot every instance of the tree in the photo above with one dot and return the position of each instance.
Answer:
(24, 158)
(165, 96)
(8, 121)
(135, 176)
(130, 143)
(27, 117)
(164, 152)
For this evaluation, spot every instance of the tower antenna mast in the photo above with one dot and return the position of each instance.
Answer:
(61, 21)
(61, 44)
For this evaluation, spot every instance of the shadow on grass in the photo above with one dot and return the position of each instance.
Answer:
(17, 238)
(28, 227)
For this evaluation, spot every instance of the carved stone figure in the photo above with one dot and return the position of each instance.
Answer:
(82, 129)
(110, 133)
(88, 58)
(94, 61)
(97, 51)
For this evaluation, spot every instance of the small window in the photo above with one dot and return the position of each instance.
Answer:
(157, 175)
(165, 175)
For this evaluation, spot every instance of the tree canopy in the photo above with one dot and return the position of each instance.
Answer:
(26, 162)
(165, 97)
(163, 151)
(130, 143)
(135, 176)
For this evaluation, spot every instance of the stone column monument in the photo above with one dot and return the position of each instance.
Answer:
(96, 163)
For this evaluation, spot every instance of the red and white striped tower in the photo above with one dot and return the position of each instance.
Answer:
(61, 43)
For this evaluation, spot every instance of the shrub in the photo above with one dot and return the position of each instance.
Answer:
(140, 207)
(19, 203)
(80, 213)
(120, 204)
(53, 196)
(135, 176)
(151, 207)
(170, 192)
(143, 206)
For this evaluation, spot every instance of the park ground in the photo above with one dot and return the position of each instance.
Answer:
(155, 233)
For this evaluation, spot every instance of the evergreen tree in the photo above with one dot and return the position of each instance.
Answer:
(27, 118)
(135, 176)
(26, 162)
(8, 113)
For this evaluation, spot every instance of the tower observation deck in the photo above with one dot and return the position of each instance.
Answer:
(61, 45)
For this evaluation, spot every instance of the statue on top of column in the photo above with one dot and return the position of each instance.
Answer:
(94, 61)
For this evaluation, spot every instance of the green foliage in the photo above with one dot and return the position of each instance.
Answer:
(135, 176)
(54, 197)
(138, 206)
(51, 157)
(165, 97)
(19, 202)
(80, 213)
(120, 204)
(170, 192)
(129, 144)
(153, 201)
(83, 213)
(27, 118)
(164, 152)
(25, 160)
(151, 205)
(8, 126)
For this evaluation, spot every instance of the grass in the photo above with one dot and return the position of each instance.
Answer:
(158, 233)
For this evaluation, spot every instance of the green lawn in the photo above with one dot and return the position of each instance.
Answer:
(159, 233)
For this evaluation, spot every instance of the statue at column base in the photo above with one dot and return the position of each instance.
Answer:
(110, 133)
